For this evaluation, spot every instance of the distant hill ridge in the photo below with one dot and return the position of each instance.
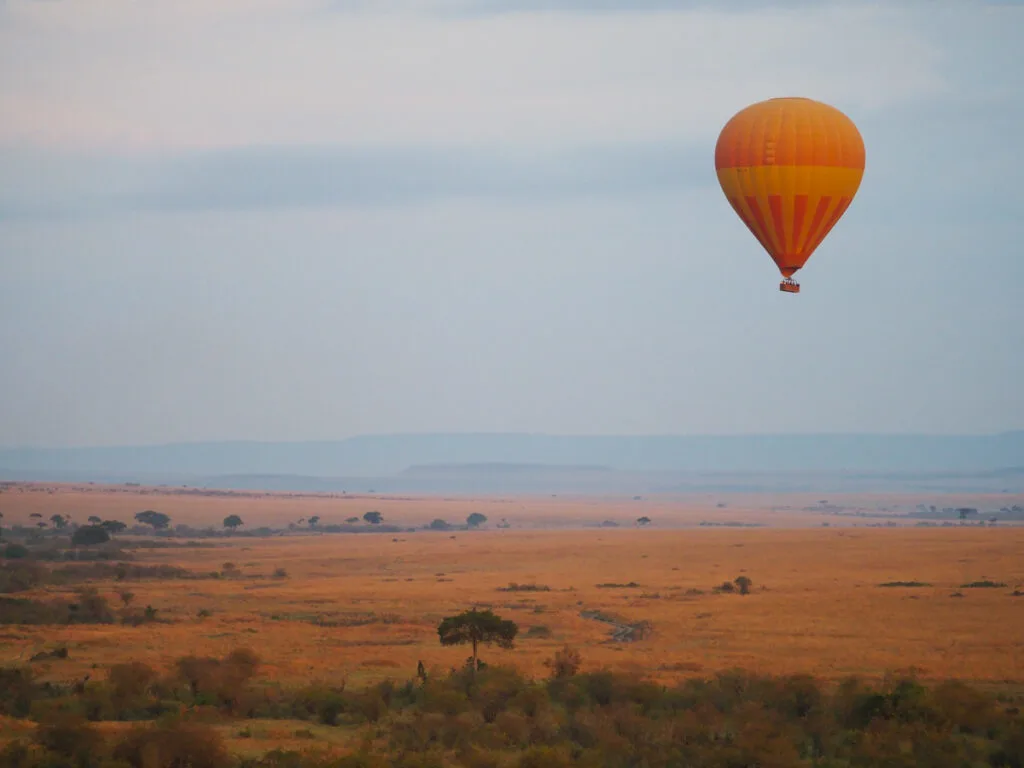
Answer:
(387, 455)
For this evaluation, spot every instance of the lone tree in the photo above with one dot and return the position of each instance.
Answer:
(59, 521)
(90, 535)
(645, 520)
(565, 662)
(157, 520)
(966, 512)
(477, 627)
(373, 518)
(232, 522)
(351, 520)
(476, 519)
(314, 520)
(744, 584)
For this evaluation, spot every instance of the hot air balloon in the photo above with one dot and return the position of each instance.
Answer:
(790, 168)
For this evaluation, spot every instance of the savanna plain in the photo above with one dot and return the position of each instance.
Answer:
(733, 631)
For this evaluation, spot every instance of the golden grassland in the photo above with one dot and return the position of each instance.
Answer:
(198, 507)
(363, 607)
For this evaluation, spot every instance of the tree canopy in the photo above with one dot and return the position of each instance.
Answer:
(89, 535)
(232, 522)
(158, 520)
(373, 518)
(475, 627)
(476, 519)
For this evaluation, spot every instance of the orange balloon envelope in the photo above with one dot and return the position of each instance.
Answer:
(790, 168)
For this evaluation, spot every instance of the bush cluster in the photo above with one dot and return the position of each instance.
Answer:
(496, 717)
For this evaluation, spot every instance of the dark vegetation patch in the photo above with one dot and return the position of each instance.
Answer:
(493, 716)
(983, 585)
(905, 584)
(20, 575)
(616, 585)
(514, 587)
(87, 607)
(339, 618)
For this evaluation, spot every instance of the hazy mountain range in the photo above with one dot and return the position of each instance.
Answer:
(531, 462)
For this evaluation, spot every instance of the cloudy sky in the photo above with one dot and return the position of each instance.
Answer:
(308, 219)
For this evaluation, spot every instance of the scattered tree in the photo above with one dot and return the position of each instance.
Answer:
(439, 525)
(16, 552)
(70, 736)
(966, 512)
(173, 743)
(744, 584)
(157, 520)
(36, 515)
(95, 520)
(476, 519)
(476, 627)
(113, 526)
(59, 521)
(314, 520)
(351, 520)
(645, 520)
(232, 522)
(90, 535)
(565, 662)
(373, 517)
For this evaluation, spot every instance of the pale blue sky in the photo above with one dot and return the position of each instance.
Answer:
(308, 219)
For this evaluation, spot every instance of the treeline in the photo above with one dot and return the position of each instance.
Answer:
(158, 524)
(494, 717)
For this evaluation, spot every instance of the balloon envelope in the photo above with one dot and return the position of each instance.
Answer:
(790, 168)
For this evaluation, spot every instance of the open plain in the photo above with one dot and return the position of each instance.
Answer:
(365, 606)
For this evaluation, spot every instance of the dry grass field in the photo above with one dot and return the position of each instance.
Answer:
(366, 606)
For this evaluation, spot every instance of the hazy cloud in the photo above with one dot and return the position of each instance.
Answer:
(49, 184)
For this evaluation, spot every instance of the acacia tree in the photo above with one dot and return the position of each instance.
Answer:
(59, 521)
(158, 520)
(476, 519)
(744, 584)
(373, 518)
(113, 526)
(645, 520)
(232, 522)
(476, 627)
